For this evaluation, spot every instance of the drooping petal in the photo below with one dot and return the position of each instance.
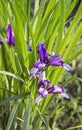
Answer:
(10, 35)
(66, 66)
(55, 61)
(39, 65)
(43, 55)
(33, 71)
(66, 95)
(55, 89)
(42, 92)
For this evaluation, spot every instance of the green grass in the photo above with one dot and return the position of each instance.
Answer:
(46, 24)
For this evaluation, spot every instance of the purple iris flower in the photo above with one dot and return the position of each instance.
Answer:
(44, 89)
(10, 36)
(43, 55)
(48, 59)
(43, 92)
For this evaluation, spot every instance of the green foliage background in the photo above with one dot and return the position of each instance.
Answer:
(46, 23)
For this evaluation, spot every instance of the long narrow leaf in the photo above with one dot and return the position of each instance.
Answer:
(27, 116)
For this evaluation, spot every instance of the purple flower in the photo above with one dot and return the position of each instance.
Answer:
(44, 89)
(43, 92)
(49, 59)
(44, 83)
(10, 35)
(57, 61)
(43, 55)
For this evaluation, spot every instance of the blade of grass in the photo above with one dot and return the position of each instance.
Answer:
(49, 7)
(8, 100)
(75, 21)
(61, 27)
(30, 32)
(27, 116)
(12, 75)
(75, 54)
(44, 119)
(75, 127)
(73, 42)
(70, 8)
(19, 36)
(12, 115)
(36, 8)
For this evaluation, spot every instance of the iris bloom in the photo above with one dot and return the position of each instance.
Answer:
(48, 60)
(44, 89)
(10, 36)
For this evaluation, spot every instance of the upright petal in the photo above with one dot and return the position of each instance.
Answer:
(42, 76)
(52, 53)
(43, 55)
(10, 35)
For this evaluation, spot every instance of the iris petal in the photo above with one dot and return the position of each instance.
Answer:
(66, 95)
(43, 92)
(55, 89)
(43, 55)
(55, 61)
(10, 35)
(42, 76)
(67, 67)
